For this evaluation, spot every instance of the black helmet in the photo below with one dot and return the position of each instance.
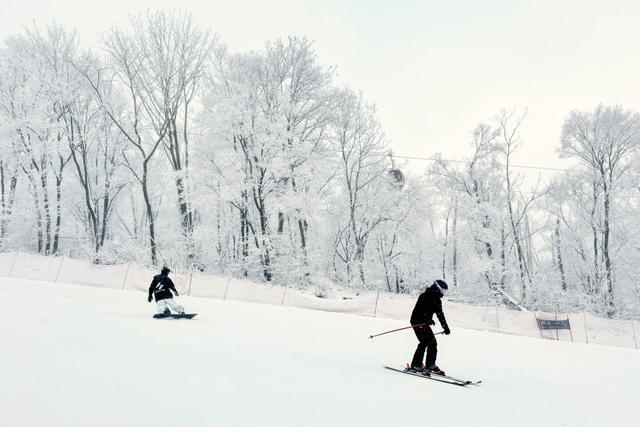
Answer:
(441, 286)
(165, 270)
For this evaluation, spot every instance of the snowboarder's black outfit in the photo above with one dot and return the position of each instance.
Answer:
(161, 287)
(429, 303)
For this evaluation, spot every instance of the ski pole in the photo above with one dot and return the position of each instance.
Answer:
(396, 330)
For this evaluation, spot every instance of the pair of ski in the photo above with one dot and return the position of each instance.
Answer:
(436, 377)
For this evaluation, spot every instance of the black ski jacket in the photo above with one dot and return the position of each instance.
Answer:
(161, 287)
(429, 303)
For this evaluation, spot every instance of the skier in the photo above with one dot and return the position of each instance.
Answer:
(161, 288)
(429, 303)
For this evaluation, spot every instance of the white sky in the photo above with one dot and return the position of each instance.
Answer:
(434, 68)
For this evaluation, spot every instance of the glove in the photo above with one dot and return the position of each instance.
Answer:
(149, 299)
(432, 322)
(446, 331)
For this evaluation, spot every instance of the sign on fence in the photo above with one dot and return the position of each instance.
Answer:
(553, 324)
(545, 325)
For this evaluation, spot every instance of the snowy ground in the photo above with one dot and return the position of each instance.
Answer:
(83, 356)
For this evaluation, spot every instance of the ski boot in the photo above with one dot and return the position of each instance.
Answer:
(415, 369)
(434, 370)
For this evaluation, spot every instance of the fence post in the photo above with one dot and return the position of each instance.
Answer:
(375, 308)
(635, 339)
(586, 331)
(126, 274)
(227, 288)
(570, 328)
(498, 318)
(58, 272)
(555, 315)
(535, 319)
(190, 280)
(13, 264)
(283, 295)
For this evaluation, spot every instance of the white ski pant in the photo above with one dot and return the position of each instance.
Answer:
(170, 304)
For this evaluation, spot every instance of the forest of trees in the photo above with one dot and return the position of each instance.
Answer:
(160, 146)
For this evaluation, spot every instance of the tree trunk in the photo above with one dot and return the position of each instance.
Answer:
(39, 220)
(444, 246)
(454, 255)
(56, 235)
(264, 231)
(105, 216)
(280, 222)
(244, 240)
(359, 255)
(175, 158)
(383, 257)
(398, 281)
(563, 279)
(150, 217)
(47, 214)
(186, 219)
(8, 199)
(596, 252)
(519, 251)
(83, 176)
(605, 251)
(503, 260)
(302, 228)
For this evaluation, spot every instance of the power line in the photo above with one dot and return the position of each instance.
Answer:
(435, 159)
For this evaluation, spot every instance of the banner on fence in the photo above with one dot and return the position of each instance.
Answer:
(553, 324)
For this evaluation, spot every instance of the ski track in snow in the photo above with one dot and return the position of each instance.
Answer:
(83, 356)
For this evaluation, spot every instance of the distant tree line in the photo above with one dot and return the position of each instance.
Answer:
(162, 147)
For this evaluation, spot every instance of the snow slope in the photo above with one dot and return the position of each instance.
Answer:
(83, 356)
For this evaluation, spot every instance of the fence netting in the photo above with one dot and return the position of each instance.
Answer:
(585, 328)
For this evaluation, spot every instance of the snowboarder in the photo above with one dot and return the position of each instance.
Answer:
(429, 303)
(161, 288)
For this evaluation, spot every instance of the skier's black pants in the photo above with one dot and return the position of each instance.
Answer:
(427, 342)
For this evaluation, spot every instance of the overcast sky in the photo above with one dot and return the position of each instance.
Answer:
(434, 68)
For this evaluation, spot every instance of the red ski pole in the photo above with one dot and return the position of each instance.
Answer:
(396, 330)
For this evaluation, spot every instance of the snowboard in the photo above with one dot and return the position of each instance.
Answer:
(174, 316)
